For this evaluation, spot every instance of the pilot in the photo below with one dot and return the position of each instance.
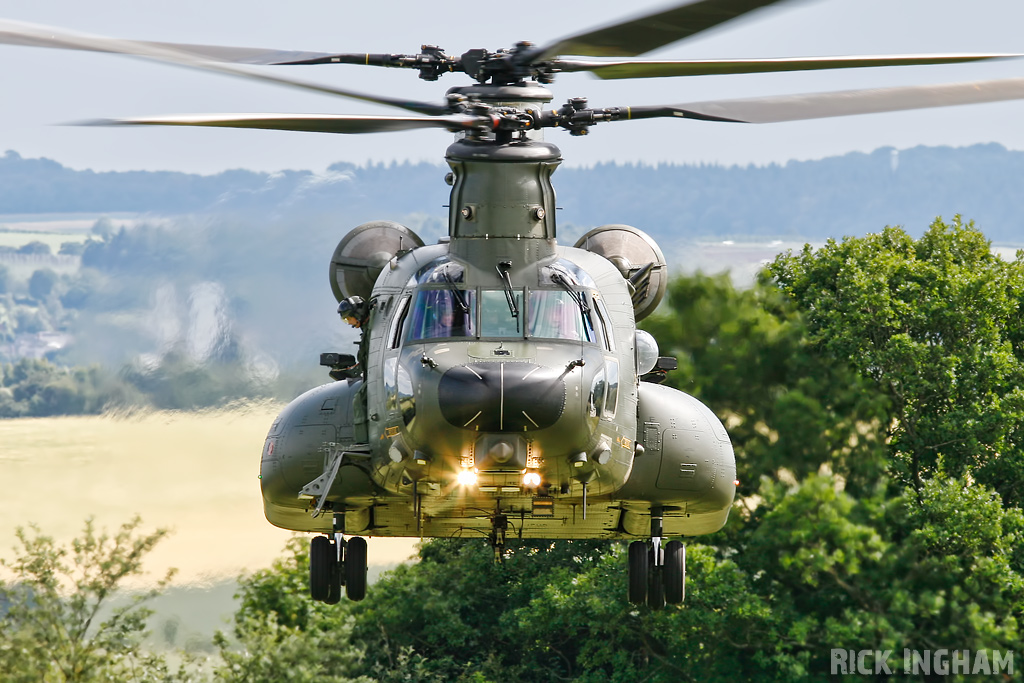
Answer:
(354, 311)
(560, 322)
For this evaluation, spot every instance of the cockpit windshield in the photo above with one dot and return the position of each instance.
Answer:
(451, 311)
(556, 315)
(442, 313)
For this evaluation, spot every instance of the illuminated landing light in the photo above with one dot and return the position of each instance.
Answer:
(578, 460)
(467, 478)
(735, 482)
(531, 480)
(421, 458)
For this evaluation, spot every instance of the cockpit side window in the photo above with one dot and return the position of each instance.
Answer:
(442, 313)
(604, 329)
(398, 323)
(555, 315)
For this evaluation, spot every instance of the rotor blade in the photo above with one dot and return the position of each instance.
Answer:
(216, 53)
(312, 123)
(21, 33)
(842, 103)
(717, 67)
(643, 34)
(220, 53)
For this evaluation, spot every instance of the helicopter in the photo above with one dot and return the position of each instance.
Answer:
(501, 386)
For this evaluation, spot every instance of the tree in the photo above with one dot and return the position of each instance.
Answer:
(59, 623)
(41, 283)
(935, 325)
(280, 634)
(813, 568)
(35, 247)
(745, 353)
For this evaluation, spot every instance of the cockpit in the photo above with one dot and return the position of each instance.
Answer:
(562, 306)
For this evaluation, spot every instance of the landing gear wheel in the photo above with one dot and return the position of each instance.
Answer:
(334, 587)
(638, 570)
(674, 572)
(323, 568)
(655, 588)
(355, 568)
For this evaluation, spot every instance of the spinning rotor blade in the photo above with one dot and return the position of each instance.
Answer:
(715, 67)
(841, 103)
(312, 123)
(19, 33)
(649, 32)
(216, 53)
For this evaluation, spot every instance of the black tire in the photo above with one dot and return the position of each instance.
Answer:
(355, 568)
(638, 568)
(674, 572)
(322, 559)
(655, 589)
(334, 587)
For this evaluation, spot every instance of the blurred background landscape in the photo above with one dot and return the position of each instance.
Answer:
(176, 290)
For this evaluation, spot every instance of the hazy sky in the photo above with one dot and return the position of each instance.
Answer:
(45, 87)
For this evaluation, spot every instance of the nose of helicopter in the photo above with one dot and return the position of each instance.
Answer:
(502, 396)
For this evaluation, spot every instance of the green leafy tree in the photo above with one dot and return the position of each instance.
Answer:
(745, 353)
(936, 326)
(60, 624)
(813, 568)
(280, 634)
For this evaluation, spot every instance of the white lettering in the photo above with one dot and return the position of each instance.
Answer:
(981, 665)
(862, 666)
(839, 659)
(919, 663)
(1001, 659)
(961, 662)
(940, 662)
(882, 662)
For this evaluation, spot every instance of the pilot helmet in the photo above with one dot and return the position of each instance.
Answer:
(352, 310)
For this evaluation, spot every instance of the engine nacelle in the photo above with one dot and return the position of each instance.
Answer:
(637, 257)
(363, 253)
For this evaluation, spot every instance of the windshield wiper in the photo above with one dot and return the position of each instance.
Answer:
(503, 267)
(459, 295)
(578, 297)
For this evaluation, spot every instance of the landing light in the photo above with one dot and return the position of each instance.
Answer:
(531, 480)
(467, 478)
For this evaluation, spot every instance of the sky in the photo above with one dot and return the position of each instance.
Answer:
(41, 88)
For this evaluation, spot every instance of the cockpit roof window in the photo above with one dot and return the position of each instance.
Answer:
(569, 271)
(438, 271)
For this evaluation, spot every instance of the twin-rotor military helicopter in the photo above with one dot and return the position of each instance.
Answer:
(502, 385)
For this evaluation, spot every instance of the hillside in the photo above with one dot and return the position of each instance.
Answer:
(813, 200)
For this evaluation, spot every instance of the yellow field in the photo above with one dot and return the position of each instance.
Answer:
(195, 473)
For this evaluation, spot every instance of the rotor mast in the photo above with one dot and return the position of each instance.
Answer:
(501, 180)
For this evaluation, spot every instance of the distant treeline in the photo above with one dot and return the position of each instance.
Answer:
(848, 195)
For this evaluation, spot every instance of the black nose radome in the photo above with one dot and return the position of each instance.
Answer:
(502, 397)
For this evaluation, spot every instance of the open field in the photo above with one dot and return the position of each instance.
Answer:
(195, 473)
